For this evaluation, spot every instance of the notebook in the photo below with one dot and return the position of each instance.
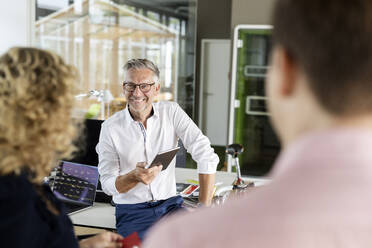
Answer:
(75, 185)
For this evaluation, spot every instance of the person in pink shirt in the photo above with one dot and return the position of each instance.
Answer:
(320, 98)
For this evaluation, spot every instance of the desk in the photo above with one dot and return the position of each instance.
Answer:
(222, 177)
(102, 215)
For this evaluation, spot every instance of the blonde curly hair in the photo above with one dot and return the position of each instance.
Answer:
(36, 100)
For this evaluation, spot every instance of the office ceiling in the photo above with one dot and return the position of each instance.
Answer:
(176, 8)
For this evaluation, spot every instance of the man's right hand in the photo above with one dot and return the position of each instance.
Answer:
(144, 175)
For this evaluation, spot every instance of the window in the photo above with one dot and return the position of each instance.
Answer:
(99, 36)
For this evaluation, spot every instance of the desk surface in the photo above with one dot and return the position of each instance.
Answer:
(102, 215)
(223, 178)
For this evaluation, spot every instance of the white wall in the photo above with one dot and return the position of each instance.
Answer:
(17, 20)
(251, 12)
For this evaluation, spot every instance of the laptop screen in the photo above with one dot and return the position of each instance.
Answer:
(76, 183)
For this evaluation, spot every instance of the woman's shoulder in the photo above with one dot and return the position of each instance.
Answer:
(18, 194)
(16, 201)
(15, 189)
(24, 213)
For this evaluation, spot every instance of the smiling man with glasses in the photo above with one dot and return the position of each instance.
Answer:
(130, 140)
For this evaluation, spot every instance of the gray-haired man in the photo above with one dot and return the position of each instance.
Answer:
(131, 138)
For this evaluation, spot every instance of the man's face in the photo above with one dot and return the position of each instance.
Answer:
(141, 102)
(272, 88)
(290, 101)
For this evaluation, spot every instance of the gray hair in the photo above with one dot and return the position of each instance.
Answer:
(136, 64)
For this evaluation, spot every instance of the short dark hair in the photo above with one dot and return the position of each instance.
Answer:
(332, 43)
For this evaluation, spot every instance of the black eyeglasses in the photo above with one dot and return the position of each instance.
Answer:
(130, 87)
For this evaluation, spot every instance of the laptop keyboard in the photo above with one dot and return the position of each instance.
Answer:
(73, 188)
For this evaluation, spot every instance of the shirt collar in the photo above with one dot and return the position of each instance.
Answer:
(129, 119)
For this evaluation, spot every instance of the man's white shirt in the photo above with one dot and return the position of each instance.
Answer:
(124, 142)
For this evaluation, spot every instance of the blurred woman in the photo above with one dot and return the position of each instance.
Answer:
(36, 131)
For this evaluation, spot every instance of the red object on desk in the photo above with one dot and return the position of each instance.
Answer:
(131, 241)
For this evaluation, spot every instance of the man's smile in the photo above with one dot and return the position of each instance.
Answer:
(137, 100)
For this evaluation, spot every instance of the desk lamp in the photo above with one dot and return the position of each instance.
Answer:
(234, 150)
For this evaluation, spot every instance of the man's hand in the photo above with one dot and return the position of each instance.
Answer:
(126, 182)
(144, 175)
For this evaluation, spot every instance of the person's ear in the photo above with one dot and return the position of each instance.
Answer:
(289, 72)
(157, 88)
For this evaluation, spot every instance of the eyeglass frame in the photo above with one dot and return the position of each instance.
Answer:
(139, 86)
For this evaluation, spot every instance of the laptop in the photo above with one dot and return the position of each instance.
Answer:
(75, 185)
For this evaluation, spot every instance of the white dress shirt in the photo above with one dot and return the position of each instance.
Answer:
(123, 142)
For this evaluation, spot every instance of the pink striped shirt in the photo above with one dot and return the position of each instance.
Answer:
(320, 196)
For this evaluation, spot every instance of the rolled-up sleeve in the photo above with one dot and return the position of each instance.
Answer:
(108, 166)
(197, 144)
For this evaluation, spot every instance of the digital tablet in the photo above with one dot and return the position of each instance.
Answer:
(164, 158)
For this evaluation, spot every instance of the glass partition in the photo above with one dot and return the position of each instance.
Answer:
(99, 36)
